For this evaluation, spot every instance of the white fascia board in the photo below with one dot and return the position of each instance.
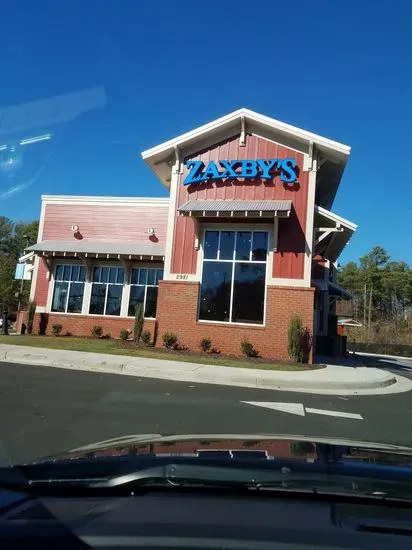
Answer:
(86, 200)
(297, 132)
(251, 116)
(193, 134)
(335, 218)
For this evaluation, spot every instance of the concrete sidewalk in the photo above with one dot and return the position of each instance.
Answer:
(334, 379)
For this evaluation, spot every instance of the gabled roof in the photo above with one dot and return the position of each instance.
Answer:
(161, 157)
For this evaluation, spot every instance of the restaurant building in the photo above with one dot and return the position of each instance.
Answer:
(246, 240)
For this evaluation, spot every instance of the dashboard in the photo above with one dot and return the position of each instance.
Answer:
(199, 519)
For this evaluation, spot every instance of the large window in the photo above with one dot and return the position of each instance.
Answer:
(234, 276)
(68, 289)
(107, 290)
(144, 284)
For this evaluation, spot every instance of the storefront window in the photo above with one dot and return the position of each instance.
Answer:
(68, 289)
(143, 290)
(234, 276)
(107, 290)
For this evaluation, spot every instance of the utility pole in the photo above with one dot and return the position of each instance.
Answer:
(370, 312)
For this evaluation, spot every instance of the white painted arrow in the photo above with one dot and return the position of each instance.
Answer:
(300, 410)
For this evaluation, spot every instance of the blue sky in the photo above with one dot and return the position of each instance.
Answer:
(339, 69)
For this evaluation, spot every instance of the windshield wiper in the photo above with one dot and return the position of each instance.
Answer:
(177, 475)
(169, 474)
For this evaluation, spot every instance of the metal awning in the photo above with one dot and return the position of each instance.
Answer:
(207, 208)
(98, 249)
(348, 322)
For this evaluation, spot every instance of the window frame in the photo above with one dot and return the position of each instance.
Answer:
(136, 264)
(250, 227)
(145, 288)
(53, 286)
(122, 285)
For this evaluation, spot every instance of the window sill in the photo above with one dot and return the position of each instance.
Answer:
(64, 313)
(98, 316)
(145, 318)
(251, 326)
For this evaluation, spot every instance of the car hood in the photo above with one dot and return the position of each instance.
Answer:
(239, 447)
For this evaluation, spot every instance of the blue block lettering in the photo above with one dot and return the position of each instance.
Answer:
(288, 170)
(249, 169)
(266, 166)
(241, 169)
(195, 167)
(229, 166)
(211, 171)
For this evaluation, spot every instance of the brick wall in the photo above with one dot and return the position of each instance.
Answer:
(80, 325)
(20, 319)
(177, 312)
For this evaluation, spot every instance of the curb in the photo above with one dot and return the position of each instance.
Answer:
(366, 354)
(381, 382)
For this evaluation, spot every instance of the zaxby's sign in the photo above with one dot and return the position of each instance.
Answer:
(249, 169)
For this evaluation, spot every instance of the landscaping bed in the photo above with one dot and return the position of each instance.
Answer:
(118, 347)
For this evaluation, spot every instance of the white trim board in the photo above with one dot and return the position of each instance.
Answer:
(298, 283)
(309, 224)
(335, 218)
(253, 117)
(37, 259)
(110, 201)
(171, 221)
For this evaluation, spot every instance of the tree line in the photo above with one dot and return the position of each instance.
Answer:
(382, 297)
(15, 237)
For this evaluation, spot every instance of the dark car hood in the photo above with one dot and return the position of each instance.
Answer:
(238, 447)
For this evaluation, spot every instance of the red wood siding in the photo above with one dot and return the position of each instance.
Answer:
(105, 222)
(289, 260)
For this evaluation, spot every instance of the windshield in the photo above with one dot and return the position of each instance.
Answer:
(199, 257)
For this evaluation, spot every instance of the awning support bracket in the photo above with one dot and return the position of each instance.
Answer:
(127, 264)
(88, 264)
(49, 262)
(326, 231)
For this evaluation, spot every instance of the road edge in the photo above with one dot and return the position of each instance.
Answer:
(381, 383)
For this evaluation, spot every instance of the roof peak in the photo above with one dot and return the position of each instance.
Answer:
(258, 118)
